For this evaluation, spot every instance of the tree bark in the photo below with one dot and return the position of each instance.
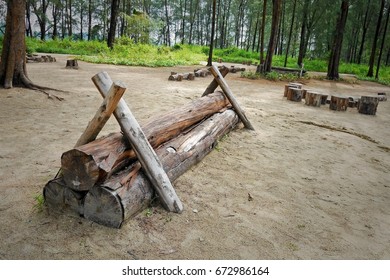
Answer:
(273, 37)
(122, 196)
(373, 49)
(290, 33)
(334, 60)
(113, 21)
(262, 32)
(382, 44)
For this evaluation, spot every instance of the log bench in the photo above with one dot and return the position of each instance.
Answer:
(368, 105)
(338, 103)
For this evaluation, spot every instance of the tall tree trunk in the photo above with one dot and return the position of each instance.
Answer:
(365, 28)
(113, 21)
(262, 32)
(168, 33)
(28, 19)
(303, 33)
(89, 20)
(273, 37)
(55, 14)
(382, 44)
(210, 60)
(373, 50)
(183, 23)
(290, 33)
(334, 60)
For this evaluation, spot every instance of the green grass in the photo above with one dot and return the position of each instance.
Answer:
(126, 52)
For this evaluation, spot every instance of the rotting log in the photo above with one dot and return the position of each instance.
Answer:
(229, 94)
(338, 103)
(127, 193)
(368, 105)
(93, 162)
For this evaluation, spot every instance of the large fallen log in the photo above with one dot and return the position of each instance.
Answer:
(125, 194)
(84, 166)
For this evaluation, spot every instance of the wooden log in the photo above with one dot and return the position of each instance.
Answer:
(214, 84)
(291, 85)
(122, 196)
(338, 103)
(201, 72)
(294, 94)
(147, 157)
(313, 99)
(368, 105)
(229, 94)
(59, 197)
(175, 77)
(93, 162)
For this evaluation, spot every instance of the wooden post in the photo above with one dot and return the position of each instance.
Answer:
(145, 153)
(222, 83)
(104, 112)
(294, 94)
(368, 105)
(214, 84)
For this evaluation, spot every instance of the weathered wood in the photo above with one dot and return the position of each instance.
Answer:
(291, 85)
(201, 72)
(175, 77)
(59, 197)
(224, 86)
(72, 64)
(368, 105)
(214, 84)
(93, 162)
(147, 157)
(313, 99)
(102, 115)
(294, 94)
(121, 196)
(338, 103)
(234, 69)
(382, 96)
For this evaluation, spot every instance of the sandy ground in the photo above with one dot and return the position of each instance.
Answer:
(318, 192)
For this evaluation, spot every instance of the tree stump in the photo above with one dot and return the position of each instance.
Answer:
(72, 64)
(291, 85)
(294, 94)
(313, 99)
(338, 103)
(368, 105)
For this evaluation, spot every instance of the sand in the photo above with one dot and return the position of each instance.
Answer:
(309, 183)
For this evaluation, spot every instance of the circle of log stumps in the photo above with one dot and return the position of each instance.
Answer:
(368, 105)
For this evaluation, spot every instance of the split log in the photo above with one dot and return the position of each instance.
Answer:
(122, 196)
(313, 99)
(93, 162)
(338, 103)
(228, 93)
(368, 105)
(294, 94)
(214, 84)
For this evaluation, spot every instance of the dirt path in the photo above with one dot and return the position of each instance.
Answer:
(318, 193)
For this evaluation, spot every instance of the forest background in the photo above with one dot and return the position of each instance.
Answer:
(178, 32)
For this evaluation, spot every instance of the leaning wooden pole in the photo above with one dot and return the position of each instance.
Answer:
(146, 155)
(113, 96)
(214, 84)
(229, 94)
